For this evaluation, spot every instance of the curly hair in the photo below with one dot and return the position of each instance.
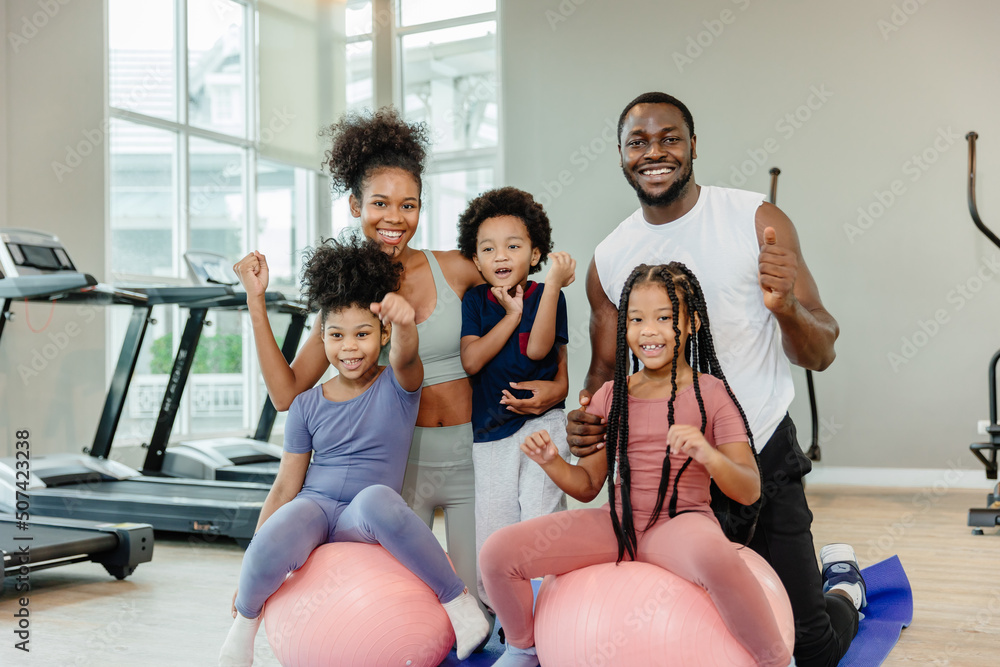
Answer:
(345, 272)
(362, 143)
(505, 201)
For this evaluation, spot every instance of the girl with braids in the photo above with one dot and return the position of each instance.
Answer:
(350, 490)
(379, 159)
(674, 427)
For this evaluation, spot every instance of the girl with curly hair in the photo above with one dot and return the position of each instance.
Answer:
(378, 158)
(337, 482)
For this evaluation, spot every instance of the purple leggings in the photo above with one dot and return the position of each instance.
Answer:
(376, 515)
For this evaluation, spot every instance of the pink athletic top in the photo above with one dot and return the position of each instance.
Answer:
(647, 442)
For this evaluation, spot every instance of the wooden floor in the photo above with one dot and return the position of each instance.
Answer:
(175, 611)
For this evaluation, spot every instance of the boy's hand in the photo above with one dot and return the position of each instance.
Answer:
(514, 305)
(688, 439)
(562, 273)
(539, 448)
(394, 309)
(252, 272)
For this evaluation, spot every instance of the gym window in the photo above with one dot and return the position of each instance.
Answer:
(214, 108)
(437, 62)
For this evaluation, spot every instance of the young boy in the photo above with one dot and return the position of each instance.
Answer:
(511, 332)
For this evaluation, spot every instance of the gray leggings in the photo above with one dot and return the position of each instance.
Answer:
(439, 474)
(376, 515)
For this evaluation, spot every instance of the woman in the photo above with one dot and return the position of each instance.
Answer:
(379, 159)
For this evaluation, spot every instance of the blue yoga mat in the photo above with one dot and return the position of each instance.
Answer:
(889, 610)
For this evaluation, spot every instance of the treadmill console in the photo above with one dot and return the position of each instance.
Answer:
(24, 252)
(35, 265)
(209, 268)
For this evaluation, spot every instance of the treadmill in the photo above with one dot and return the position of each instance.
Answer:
(249, 459)
(29, 542)
(91, 486)
(51, 542)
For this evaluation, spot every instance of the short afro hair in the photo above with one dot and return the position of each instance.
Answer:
(500, 202)
(362, 143)
(657, 98)
(345, 272)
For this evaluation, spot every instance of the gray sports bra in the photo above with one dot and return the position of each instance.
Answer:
(440, 335)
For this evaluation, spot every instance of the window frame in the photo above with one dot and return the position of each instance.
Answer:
(183, 132)
(387, 83)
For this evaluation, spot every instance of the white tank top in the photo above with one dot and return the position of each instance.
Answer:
(717, 240)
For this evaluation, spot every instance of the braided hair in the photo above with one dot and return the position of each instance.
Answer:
(699, 350)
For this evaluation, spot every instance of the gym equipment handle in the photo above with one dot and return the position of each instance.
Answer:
(973, 209)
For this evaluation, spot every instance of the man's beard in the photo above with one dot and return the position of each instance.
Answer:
(668, 196)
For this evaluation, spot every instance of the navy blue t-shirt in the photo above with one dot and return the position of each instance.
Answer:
(480, 313)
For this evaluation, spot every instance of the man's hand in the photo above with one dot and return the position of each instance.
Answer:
(562, 273)
(252, 272)
(777, 270)
(584, 431)
(233, 610)
(544, 395)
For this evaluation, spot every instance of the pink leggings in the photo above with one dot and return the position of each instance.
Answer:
(690, 545)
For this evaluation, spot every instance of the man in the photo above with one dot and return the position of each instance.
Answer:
(746, 255)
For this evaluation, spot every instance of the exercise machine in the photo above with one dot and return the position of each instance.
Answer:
(90, 486)
(986, 452)
(28, 542)
(814, 453)
(250, 459)
(52, 542)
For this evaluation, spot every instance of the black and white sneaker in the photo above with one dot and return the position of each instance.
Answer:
(840, 570)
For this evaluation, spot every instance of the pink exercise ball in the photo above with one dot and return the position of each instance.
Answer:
(354, 605)
(632, 614)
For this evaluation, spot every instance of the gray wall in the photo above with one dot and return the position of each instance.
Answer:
(52, 382)
(569, 67)
(563, 81)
